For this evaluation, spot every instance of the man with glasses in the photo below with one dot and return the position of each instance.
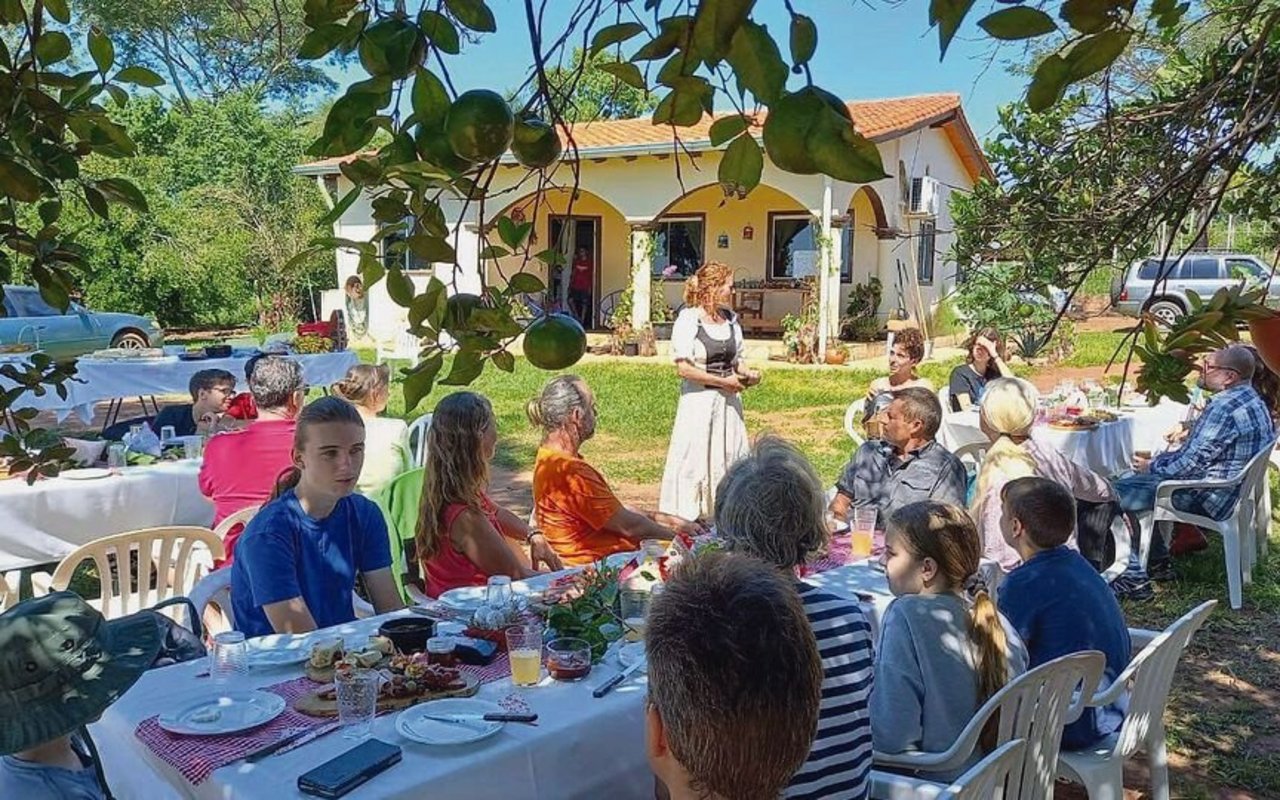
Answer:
(211, 391)
(1234, 427)
(241, 467)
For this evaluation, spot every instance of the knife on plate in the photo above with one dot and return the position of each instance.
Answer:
(305, 736)
(607, 686)
(490, 717)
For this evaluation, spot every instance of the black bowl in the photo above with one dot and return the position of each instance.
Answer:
(408, 634)
(218, 351)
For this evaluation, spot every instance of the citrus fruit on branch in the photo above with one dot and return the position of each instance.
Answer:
(554, 341)
(535, 144)
(392, 46)
(479, 125)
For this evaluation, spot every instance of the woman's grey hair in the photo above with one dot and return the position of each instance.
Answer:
(551, 408)
(770, 505)
(274, 380)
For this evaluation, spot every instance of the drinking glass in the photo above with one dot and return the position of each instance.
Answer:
(193, 447)
(229, 659)
(116, 458)
(652, 549)
(167, 434)
(499, 594)
(635, 606)
(524, 652)
(357, 692)
(862, 531)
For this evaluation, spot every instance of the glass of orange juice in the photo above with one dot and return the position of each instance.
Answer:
(524, 651)
(862, 531)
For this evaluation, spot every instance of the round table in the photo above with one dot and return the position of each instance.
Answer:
(1107, 449)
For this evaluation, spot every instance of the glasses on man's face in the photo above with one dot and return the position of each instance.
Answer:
(1211, 367)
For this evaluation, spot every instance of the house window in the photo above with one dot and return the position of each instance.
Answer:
(678, 242)
(793, 249)
(404, 258)
(846, 253)
(926, 245)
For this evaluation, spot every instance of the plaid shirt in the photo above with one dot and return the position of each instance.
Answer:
(1234, 428)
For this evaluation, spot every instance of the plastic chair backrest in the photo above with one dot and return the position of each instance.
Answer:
(141, 568)
(1150, 675)
(976, 451)
(944, 398)
(214, 588)
(8, 590)
(988, 778)
(418, 440)
(241, 517)
(851, 415)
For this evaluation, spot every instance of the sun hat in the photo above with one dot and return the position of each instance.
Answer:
(62, 664)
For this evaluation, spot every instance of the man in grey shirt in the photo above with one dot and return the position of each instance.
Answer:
(906, 466)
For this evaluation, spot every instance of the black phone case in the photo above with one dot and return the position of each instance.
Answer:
(342, 773)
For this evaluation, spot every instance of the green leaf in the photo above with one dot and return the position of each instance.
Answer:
(1096, 53)
(432, 220)
(1048, 83)
(614, 34)
(741, 167)
(804, 39)
(503, 360)
(139, 76)
(50, 211)
(102, 50)
(493, 252)
(685, 104)
(525, 283)
(18, 182)
(430, 100)
(95, 200)
(399, 287)
(318, 12)
(339, 208)
(714, 26)
(726, 128)
(1018, 22)
(322, 41)
(947, 15)
(845, 154)
(58, 10)
(672, 31)
(419, 380)
(626, 72)
(432, 248)
(120, 96)
(473, 14)
(371, 270)
(757, 63)
(1088, 16)
(467, 366)
(52, 47)
(551, 257)
(440, 31)
(513, 234)
(119, 190)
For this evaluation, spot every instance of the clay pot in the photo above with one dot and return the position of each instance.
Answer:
(1266, 337)
(836, 356)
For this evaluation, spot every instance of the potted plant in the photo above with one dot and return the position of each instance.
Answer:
(837, 352)
(660, 313)
(1265, 332)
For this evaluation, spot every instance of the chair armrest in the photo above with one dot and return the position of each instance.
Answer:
(416, 595)
(911, 759)
(41, 583)
(1139, 638)
(1167, 488)
(362, 607)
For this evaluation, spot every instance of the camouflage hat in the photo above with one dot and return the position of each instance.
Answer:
(62, 664)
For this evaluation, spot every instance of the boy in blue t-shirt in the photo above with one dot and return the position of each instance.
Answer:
(1056, 601)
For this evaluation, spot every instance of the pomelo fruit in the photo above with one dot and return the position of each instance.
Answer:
(535, 144)
(555, 341)
(434, 148)
(392, 46)
(479, 125)
(458, 310)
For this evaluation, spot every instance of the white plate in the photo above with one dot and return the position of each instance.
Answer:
(412, 725)
(470, 598)
(233, 711)
(266, 657)
(630, 653)
(86, 474)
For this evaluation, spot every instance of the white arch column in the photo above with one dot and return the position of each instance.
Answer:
(641, 273)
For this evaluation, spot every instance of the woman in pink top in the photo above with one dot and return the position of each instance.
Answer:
(462, 535)
(1007, 414)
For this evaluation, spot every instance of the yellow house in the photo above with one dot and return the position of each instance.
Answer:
(645, 210)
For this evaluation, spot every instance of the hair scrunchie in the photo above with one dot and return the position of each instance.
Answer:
(975, 584)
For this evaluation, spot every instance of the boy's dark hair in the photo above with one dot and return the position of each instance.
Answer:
(1046, 509)
(251, 363)
(206, 379)
(735, 674)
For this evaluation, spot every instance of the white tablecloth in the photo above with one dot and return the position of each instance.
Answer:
(100, 380)
(45, 522)
(1108, 449)
(582, 747)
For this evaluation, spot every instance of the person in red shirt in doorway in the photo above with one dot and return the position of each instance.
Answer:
(581, 281)
(241, 467)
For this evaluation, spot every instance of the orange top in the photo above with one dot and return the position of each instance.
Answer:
(572, 503)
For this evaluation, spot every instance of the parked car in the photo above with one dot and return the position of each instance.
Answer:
(30, 320)
(1203, 273)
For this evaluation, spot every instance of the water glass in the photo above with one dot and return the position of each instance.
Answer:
(524, 652)
(193, 447)
(862, 531)
(499, 593)
(635, 608)
(357, 692)
(167, 434)
(229, 659)
(116, 456)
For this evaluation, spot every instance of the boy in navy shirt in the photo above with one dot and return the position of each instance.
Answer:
(1056, 601)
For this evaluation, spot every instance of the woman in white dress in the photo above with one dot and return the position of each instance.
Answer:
(709, 433)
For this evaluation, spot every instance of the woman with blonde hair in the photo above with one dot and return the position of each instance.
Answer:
(461, 536)
(1006, 414)
(709, 433)
(368, 388)
(944, 648)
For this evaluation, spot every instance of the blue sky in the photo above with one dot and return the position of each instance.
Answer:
(866, 49)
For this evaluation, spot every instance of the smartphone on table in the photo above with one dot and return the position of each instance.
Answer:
(341, 774)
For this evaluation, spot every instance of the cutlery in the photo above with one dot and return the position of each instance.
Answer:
(292, 741)
(607, 686)
(490, 717)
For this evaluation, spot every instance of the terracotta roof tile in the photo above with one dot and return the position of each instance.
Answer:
(876, 119)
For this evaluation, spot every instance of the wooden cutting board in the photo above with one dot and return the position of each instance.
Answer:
(314, 705)
(325, 675)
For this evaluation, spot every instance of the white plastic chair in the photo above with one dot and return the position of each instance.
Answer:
(851, 417)
(172, 558)
(405, 347)
(1241, 524)
(1123, 538)
(1147, 680)
(418, 440)
(211, 597)
(1033, 706)
(8, 590)
(987, 779)
(944, 398)
(241, 517)
(974, 452)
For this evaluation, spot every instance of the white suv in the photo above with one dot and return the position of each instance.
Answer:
(1161, 286)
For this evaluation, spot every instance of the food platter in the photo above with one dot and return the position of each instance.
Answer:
(403, 687)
